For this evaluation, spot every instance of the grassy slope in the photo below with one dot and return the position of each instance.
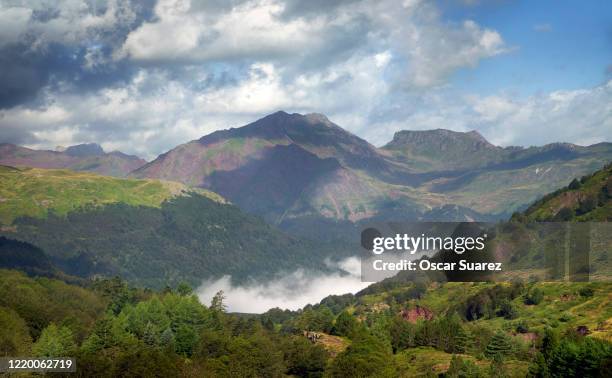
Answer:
(35, 192)
(510, 190)
(594, 187)
(562, 307)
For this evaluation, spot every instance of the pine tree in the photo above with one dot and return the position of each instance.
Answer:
(539, 368)
(499, 346)
(345, 325)
(461, 341)
(54, 341)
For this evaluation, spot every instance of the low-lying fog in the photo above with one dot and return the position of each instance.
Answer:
(291, 291)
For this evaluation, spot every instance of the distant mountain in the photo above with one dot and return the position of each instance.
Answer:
(83, 150)
(288, 165)
(293, 167)
(83, 157)
(438, 150)
(149, 232)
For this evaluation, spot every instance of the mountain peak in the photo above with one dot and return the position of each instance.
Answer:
(310, 118)
(438, 139)
(318, 118)
(477, 136)
(86, 149)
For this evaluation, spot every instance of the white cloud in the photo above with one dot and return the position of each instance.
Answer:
(428, 49)
(374, 67)
(582, 116)
(291, 291)
(160, 111)
(189, 32)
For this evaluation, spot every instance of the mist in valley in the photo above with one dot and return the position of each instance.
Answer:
(292, 290)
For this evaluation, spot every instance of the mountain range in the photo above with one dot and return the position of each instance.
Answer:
(311, 177)
(293, 169)
(83, 157)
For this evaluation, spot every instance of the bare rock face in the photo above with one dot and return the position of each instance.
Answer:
(417, 313)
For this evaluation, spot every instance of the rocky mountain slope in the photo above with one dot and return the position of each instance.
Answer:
(288, 167)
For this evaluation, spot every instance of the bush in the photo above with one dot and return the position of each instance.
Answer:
(534, 297)
(507, 310)
(564, 215)
(574, 185)
(586, 292)
(586, 205)
(522, 327)
(367, 356)
(462, 368)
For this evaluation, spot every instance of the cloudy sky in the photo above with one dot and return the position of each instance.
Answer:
(144, 76)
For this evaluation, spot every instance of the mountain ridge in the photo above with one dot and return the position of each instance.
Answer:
(344, 177)
(83, 157)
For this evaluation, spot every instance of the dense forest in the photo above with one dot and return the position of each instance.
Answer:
(452, 330)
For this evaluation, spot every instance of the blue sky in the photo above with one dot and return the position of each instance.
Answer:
(143, 77)
(558, 45)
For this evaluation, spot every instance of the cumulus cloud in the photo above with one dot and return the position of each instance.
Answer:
(167, 71)
(433, 49)
(582, 116)
(291, 291)
(67, 43)
(186, 31)
(161, 111)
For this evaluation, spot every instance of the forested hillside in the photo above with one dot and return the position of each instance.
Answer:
(401, 327)
(456, 329)
(113, 330)
(152, 233)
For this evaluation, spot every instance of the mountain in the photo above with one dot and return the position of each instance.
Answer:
(152, 233)
(586, 199)
(293, 168)
(439, 150)
(83, 157)
(285, 166)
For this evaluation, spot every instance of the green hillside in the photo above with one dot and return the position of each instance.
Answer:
(34, 192)
(113, 330)
(152, 233)
(586, 199)
(466, 329)
(458, 329)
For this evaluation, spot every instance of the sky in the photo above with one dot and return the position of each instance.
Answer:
(145, 76)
